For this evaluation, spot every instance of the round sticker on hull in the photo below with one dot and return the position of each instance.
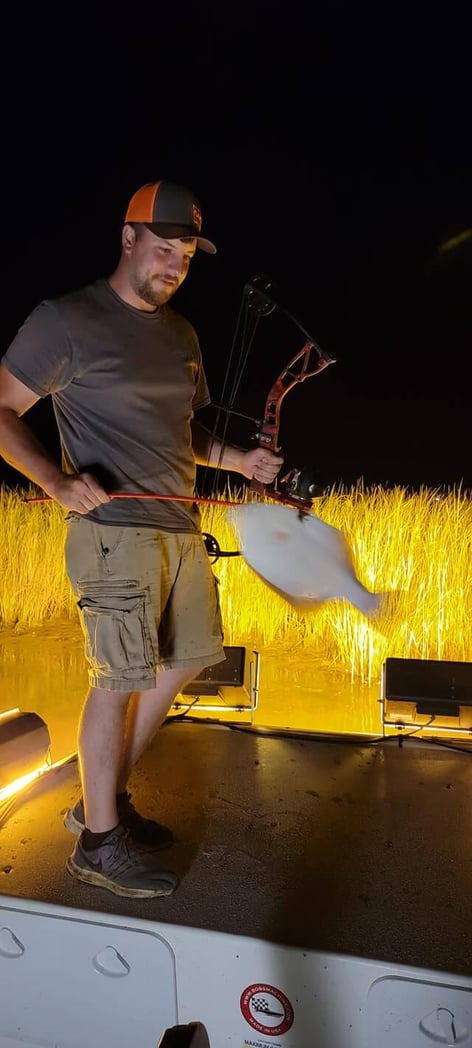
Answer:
(266, 1009)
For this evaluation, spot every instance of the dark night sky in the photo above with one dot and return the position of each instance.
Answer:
(331, 152)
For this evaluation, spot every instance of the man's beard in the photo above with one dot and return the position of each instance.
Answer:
(149, 293)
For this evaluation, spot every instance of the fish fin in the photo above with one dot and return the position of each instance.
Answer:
(384, 606)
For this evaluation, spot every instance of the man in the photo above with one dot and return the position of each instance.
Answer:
(125, 375)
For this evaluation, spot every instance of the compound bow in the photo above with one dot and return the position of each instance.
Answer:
(298, 487)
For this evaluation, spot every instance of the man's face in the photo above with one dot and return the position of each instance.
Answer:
(158, 267)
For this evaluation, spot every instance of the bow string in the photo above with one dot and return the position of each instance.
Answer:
(259, 301)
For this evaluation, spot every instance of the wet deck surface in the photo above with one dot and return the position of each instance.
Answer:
(332, 844)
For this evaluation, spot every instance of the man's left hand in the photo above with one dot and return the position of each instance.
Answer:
(261, 464)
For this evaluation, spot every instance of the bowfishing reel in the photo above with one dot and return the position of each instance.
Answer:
(301, 484)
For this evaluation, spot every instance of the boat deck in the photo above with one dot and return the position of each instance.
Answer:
(339, 844)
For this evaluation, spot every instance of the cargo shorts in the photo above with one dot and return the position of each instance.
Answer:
(147, 599)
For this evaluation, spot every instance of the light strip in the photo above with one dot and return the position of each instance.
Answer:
(26, 780)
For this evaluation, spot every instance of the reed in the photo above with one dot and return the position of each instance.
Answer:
(415, 544)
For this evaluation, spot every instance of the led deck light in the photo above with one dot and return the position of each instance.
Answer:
(428, 695)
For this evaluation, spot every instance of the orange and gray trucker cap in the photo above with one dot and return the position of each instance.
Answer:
(170, 211)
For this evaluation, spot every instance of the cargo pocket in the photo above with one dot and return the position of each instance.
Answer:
(117, 638)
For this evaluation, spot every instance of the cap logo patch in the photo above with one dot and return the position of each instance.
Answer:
(197, 217)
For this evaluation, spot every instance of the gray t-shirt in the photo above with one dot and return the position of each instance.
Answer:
(124, 385)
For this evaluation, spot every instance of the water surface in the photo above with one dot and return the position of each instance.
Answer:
(44, 671)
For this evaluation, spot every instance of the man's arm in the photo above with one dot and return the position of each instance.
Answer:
(21, 449)
(259, 463)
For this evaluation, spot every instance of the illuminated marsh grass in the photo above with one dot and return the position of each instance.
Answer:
(33, 583)
(415, 545)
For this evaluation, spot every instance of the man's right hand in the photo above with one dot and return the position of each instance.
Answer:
(79, 492)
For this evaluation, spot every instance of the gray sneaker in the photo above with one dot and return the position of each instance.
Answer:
(147, 833)
(120, 868)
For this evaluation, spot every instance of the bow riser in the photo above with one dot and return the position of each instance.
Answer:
(268, 434)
